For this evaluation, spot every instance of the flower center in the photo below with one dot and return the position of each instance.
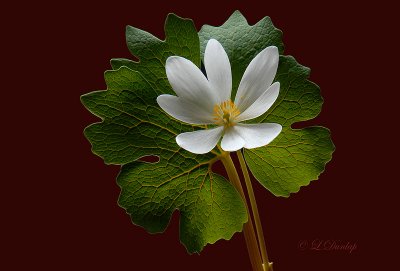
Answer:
(225, 113)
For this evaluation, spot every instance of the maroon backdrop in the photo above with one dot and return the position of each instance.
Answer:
(59, 200)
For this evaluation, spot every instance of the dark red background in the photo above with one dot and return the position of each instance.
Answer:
(59, 200)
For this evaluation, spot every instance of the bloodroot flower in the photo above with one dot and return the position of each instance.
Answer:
(207, 101)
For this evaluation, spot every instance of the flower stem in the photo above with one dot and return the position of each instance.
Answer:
(248, 228)
(260, 235)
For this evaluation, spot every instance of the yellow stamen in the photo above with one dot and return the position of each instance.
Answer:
(225, 113)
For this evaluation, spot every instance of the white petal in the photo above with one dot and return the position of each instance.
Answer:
(258, 135)
(184, 110)
(262, 104)
(218, 69)
(201, 141)
(232, 141)
(190, 83)
(258, 77)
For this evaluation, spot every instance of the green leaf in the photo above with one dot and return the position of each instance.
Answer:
(134, 126)
(210, 207)
(296, 156)
(292, 160)
(181, 40)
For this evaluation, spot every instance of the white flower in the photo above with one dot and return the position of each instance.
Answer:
(208, 101)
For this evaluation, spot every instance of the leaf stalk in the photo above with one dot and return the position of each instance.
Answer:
(253, 203)
(248, 228)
